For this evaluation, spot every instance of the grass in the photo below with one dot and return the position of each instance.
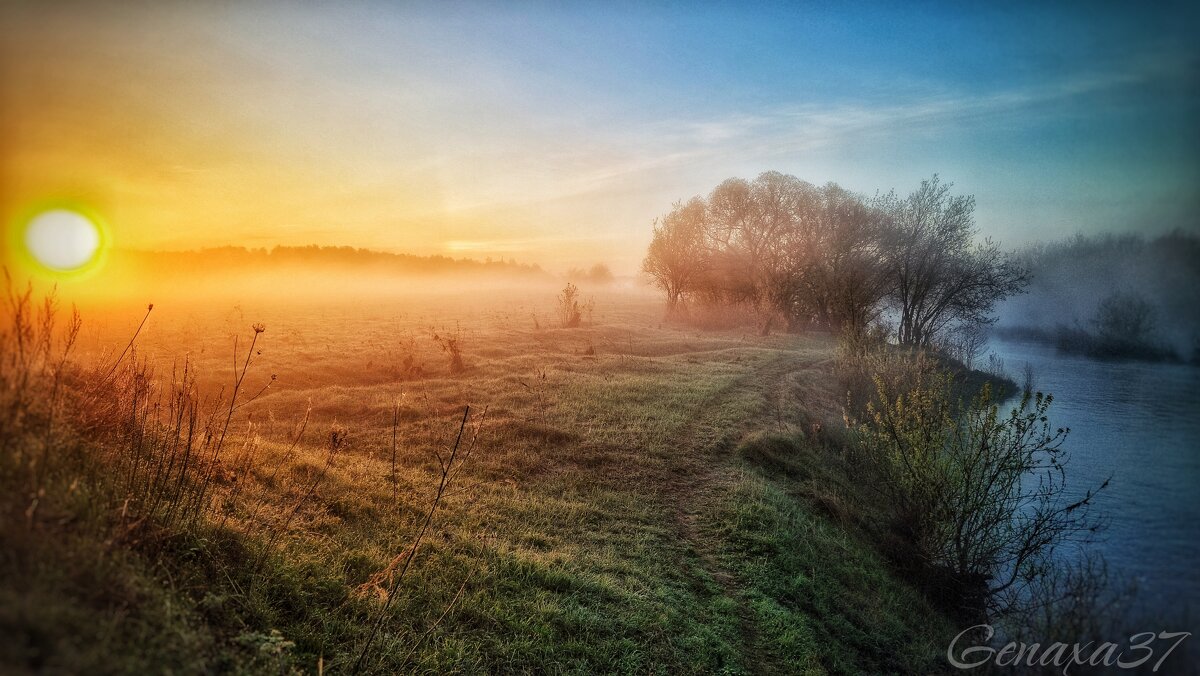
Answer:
(658, 503)
(823, 599)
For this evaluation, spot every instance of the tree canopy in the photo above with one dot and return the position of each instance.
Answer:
(805, 256)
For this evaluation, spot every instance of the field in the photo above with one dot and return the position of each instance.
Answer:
(634, 497)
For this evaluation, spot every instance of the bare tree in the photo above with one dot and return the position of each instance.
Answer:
(938, 276)
(750, 227)
(784, 248)
(846, 277)
(964, 342)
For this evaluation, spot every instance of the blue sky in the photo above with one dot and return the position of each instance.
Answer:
(556, 132)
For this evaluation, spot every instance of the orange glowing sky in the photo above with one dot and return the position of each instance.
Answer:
(556, 134)
(200, 128)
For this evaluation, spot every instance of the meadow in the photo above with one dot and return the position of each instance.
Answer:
(626, 496)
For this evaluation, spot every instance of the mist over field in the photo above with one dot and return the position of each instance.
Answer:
(295, 274)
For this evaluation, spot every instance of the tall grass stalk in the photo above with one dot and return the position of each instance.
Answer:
(449, 470)
(132, 340)
(253, 519)
(239, 378)
(337, 441)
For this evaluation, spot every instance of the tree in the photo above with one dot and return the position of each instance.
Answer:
(827, 257)
(938, 278)
(845, 278)
(677, 251)
(754, 229)
(1124, 319)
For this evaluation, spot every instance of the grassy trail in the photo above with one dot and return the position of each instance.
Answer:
(693, 487)
(793, 576)
(703, 467)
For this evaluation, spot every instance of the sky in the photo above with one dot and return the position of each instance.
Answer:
(555, 132)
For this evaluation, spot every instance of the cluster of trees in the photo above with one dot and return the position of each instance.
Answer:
(808, 256)
(598, 274)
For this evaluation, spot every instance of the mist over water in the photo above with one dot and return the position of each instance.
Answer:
(1136, 422)
(1069, 280)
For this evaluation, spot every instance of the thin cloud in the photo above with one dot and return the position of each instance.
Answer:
(615, 158)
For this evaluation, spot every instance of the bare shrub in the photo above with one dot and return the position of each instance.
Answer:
(995, 366)
(1079, 601)
(537, 387)
(35, 373)
(570, 310)
(144, 448)
(1028, 382)
(451, 344)
(1078, 598)
(964, 343)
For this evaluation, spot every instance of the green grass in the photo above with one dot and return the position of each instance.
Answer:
(822, 599)
(653, 508)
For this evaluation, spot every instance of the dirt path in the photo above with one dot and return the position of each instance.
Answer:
(705, 470)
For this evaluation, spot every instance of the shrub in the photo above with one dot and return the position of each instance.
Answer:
(981, 496)
(862, 360)
(1124, 318)
(451, 344)
(570, 310)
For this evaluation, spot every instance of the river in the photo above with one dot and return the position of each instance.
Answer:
(1140, 424)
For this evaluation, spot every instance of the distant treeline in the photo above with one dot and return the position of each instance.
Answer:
(321, 257)
(1111, 296)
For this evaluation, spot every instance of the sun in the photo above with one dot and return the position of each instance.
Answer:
(63, 241)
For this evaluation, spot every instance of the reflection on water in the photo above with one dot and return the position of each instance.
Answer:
(1140, 424)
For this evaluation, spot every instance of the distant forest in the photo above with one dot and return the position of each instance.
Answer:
(316, 258)
(1111, 294)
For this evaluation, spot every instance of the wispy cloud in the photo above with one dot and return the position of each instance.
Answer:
(804, 127)
(639, 154)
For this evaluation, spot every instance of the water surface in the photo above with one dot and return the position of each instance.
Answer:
(1140, 424)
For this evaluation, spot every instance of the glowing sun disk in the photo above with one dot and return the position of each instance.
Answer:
(62, 240)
